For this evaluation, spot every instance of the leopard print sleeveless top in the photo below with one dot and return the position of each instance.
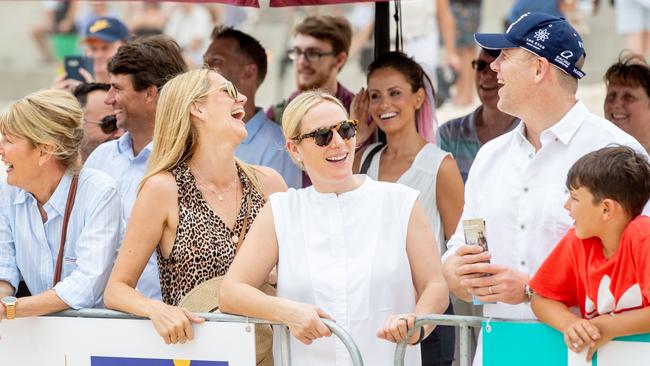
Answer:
(203, 248)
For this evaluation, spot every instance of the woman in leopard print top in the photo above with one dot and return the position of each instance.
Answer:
(195, 202)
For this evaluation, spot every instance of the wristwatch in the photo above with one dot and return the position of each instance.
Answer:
(9, 303)
(529, 292)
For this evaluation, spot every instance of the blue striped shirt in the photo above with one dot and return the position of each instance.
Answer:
(116, 158)
(29, 247)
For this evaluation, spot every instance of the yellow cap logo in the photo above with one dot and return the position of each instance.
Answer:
(99, 24)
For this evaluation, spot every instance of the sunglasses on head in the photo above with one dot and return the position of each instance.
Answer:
(323, 136)
(479, 65)
(108, 124)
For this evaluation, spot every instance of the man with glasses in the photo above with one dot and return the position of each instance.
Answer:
(320, 50)
(517, 183)
(138, 71)
(464, 136)
(241, 59)
(99, 122)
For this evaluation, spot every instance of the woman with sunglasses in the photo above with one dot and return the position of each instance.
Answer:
(399, 100)
(348, 248)
(196, 201)
(59, 223)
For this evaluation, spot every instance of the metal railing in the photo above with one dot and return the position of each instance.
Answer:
(462, 322)
(285, 335)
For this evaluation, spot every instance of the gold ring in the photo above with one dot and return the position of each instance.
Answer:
(402, 318)
(490, 288)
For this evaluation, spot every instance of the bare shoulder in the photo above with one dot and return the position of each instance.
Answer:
(161, 187)
(448, 167)
(270, 180)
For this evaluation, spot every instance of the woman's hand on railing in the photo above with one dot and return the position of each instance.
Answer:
(173, 323)
(304, 322)
(396, 328)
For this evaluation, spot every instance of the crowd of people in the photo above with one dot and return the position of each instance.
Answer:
(135, 188)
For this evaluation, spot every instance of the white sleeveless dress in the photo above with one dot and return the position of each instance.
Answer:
(421, 175)
(346, 254)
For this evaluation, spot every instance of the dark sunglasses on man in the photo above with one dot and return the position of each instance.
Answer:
(108, 124)
(323, 136)
(479, 65)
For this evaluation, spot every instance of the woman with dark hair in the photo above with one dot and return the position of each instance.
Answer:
(400, 102)
(627, 103)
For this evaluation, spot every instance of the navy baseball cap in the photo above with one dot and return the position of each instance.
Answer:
(542, 34)
(107, 29)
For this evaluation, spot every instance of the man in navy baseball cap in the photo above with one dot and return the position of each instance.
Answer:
(517, 181)
(103, 36)
(542, 34)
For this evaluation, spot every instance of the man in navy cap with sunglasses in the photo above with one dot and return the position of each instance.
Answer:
(517, 181)
(464, 136)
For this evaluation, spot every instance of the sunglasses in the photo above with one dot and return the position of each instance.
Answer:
(323, 136)
(479, 65)
(108, 124)
(229, 87)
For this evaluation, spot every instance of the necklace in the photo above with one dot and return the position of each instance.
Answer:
(219, 194)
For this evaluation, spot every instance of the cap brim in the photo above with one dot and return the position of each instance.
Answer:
(493, 41)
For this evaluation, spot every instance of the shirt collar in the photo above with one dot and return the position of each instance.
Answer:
(125, 146)
(254, 125)
(565, 128)
(341, 93)
(58, 199)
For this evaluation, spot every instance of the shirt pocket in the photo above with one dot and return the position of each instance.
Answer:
(555, 219)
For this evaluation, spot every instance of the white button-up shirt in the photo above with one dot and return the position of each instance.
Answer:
(521, 193)
(116, 158)
(29, 247)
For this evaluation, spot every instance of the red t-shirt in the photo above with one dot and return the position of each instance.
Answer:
(577, 273)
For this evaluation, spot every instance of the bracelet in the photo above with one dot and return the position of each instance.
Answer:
(420, 339)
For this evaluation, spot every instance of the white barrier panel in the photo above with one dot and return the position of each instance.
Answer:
(63, 341)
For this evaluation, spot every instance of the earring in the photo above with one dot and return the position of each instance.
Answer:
(298, 159)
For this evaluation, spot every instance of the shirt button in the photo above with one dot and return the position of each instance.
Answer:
(522, 227)
(531, 156)
(525, 189)
(523, 263)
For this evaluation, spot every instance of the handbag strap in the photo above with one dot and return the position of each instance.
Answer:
(368, 160)
(66, 217)
(244, 227)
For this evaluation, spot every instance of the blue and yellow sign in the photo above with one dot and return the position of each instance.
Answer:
(128, 361)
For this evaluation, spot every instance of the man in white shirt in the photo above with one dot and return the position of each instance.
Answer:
(517, 182)
(138, 71)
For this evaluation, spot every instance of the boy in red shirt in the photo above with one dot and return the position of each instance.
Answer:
(602, 265)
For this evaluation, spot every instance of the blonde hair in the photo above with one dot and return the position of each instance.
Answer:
(175, 138)
(47, 117)
(299, 106)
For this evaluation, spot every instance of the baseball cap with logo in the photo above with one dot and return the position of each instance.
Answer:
(107, 29)
(542, 34)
